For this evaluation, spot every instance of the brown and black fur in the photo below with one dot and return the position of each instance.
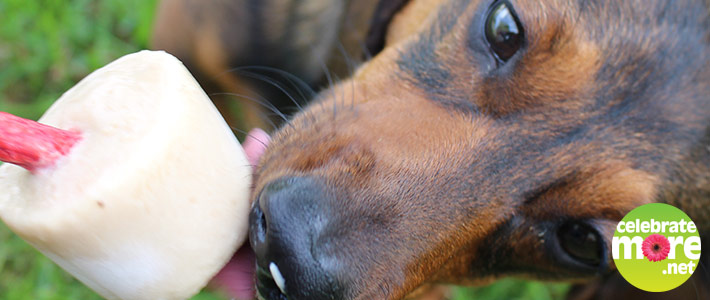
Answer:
(440, 164)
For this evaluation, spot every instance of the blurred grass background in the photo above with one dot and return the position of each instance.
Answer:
(45, 48)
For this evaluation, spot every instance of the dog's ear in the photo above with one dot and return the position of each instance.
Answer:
(221, 42)
(381, 19)
(393, 20)
(410, 19)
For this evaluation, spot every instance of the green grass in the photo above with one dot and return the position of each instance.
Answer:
(513, 289)
(45, 48)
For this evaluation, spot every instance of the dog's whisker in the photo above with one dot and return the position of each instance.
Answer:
(271, 82)
(331, 82)
(246, 133)
(297, 83)
(269, 117)
(350, 63)
(335, 93)
(264, 104)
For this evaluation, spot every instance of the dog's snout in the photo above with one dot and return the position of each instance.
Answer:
(284, 215)
(286, 223)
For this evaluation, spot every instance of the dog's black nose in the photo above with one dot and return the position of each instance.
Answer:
(286, 223)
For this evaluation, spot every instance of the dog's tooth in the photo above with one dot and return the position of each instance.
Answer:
(278, 278)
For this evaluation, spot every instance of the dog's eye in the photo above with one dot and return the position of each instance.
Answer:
(503, 31)
(581, 242)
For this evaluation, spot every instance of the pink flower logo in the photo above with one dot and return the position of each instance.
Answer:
(656, 247)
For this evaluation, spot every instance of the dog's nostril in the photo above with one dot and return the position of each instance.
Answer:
(286, 221)
(261, 223)
(258, 227)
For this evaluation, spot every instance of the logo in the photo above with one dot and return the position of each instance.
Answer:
(656, 247)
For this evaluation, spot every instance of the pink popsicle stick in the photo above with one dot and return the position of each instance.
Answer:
(32, 145)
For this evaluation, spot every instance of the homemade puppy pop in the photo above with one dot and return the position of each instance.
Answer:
(135, 185)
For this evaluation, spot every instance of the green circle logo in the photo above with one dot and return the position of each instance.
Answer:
(656, 247)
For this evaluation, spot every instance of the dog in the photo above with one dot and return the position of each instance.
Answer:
(454, 141)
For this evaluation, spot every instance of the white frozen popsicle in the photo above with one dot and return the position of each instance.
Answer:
(138, 189)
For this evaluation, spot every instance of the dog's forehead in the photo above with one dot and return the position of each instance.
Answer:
(622, 31)
(596, 18)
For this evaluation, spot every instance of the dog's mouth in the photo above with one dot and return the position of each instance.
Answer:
(237, 278)
(241, 279)
(266, 285)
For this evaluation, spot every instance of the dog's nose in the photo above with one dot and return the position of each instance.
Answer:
(286, 223)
